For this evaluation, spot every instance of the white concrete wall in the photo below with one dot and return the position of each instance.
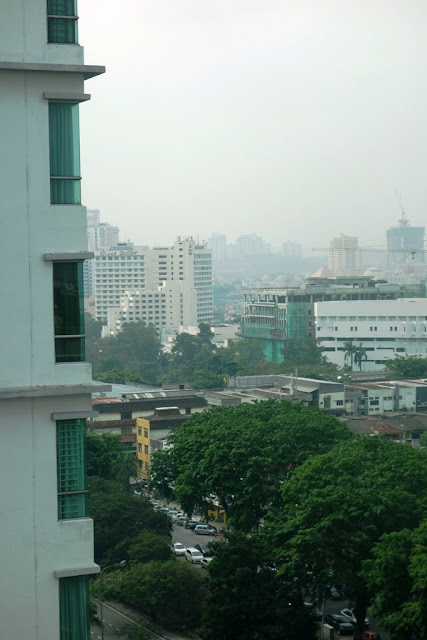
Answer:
(384, 327)
(34, 542)
(30, 227)
(23, 35)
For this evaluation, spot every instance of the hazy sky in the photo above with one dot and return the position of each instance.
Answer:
(295, 119)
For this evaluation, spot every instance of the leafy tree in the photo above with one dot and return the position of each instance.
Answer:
(206, 380)
(397, 575)
(93, 327)
(423, 439)
(246, 600)
(120, 376)
(407, 367)
(118, 515)
(143, 547)
(185, 348)
(134, 631)
(105, 454)
(242, 455)
(303, 352)
(335, 508)
(169, 591)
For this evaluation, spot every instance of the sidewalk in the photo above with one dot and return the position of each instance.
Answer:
(152, 626)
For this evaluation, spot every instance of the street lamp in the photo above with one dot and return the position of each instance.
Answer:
(110, 566)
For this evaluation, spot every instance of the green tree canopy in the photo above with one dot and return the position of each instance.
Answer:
(169, 591)
(246, 600)
(105, 454)
(117, 516)
(303, 352)
(242, 455)
(338, 505)
(397, 576)
(407, 367)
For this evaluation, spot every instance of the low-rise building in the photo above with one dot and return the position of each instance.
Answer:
(379, 329)
(152, 433)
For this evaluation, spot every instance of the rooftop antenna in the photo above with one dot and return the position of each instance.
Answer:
(403, 222)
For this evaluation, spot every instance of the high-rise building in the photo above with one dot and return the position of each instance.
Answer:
(250, 245)
(404, 242)
(46, 550)
(292, 250)
(344, 255)
(179, 277)
(101, 236)
(217, 244)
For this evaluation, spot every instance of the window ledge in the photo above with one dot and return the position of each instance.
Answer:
(88, 71)
(77, 571)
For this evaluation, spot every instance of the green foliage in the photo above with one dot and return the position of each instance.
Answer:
(120, 376)
(118, 516)
(105, 454)
(407, 367)
(397, 575)
(93, 327)
(206, 380)
(242, 455)
(423, 439)
(142, 547)
(169, 591)
(134, 631)
(246, 600)
(337, 506)
(305, 352)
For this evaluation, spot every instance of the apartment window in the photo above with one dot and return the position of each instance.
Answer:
(62, 21)
(68, 311)
(126, 415)
(139, 464)
(147, 466)
(140, 431)
(187, 411)
(139, 447)
(146, 449)
(74, 608)
(340, 403)
(145, 433)
(71, 468)
(126, 431)
(64, 153)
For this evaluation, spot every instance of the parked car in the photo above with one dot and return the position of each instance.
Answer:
(334, 593)
(204, 550)
(349, 613)
(204, 562)
(314, 611)
(178, 549)
(341, 624)
(173, 512)
(372, 635)
(180, 520)
(193, 555)
(191, 524)
(204, 530)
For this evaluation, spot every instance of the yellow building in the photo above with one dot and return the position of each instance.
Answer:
(152, 433)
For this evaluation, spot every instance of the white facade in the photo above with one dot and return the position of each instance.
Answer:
(384, 328)
(100, 236)
(344, 255)
(39, 551)
(179, 276)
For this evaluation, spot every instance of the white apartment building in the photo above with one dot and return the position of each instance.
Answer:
(100, 236)
(46, 550)
(344, 257)
(384, 328)
(130, 281)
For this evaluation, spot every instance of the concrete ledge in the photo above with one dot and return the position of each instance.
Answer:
(68, 256)
(88, 71)
(73, 98)
(52, 390)
(77, 571)
(74, 415)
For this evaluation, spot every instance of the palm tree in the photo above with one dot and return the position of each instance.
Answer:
(360, 355)
(349, 351)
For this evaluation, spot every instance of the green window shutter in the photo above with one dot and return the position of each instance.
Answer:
(71, 468)
(64, 146)
(68, 311)
(74, 608)
(62, 21)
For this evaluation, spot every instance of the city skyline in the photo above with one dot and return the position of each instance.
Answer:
(284, 119)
